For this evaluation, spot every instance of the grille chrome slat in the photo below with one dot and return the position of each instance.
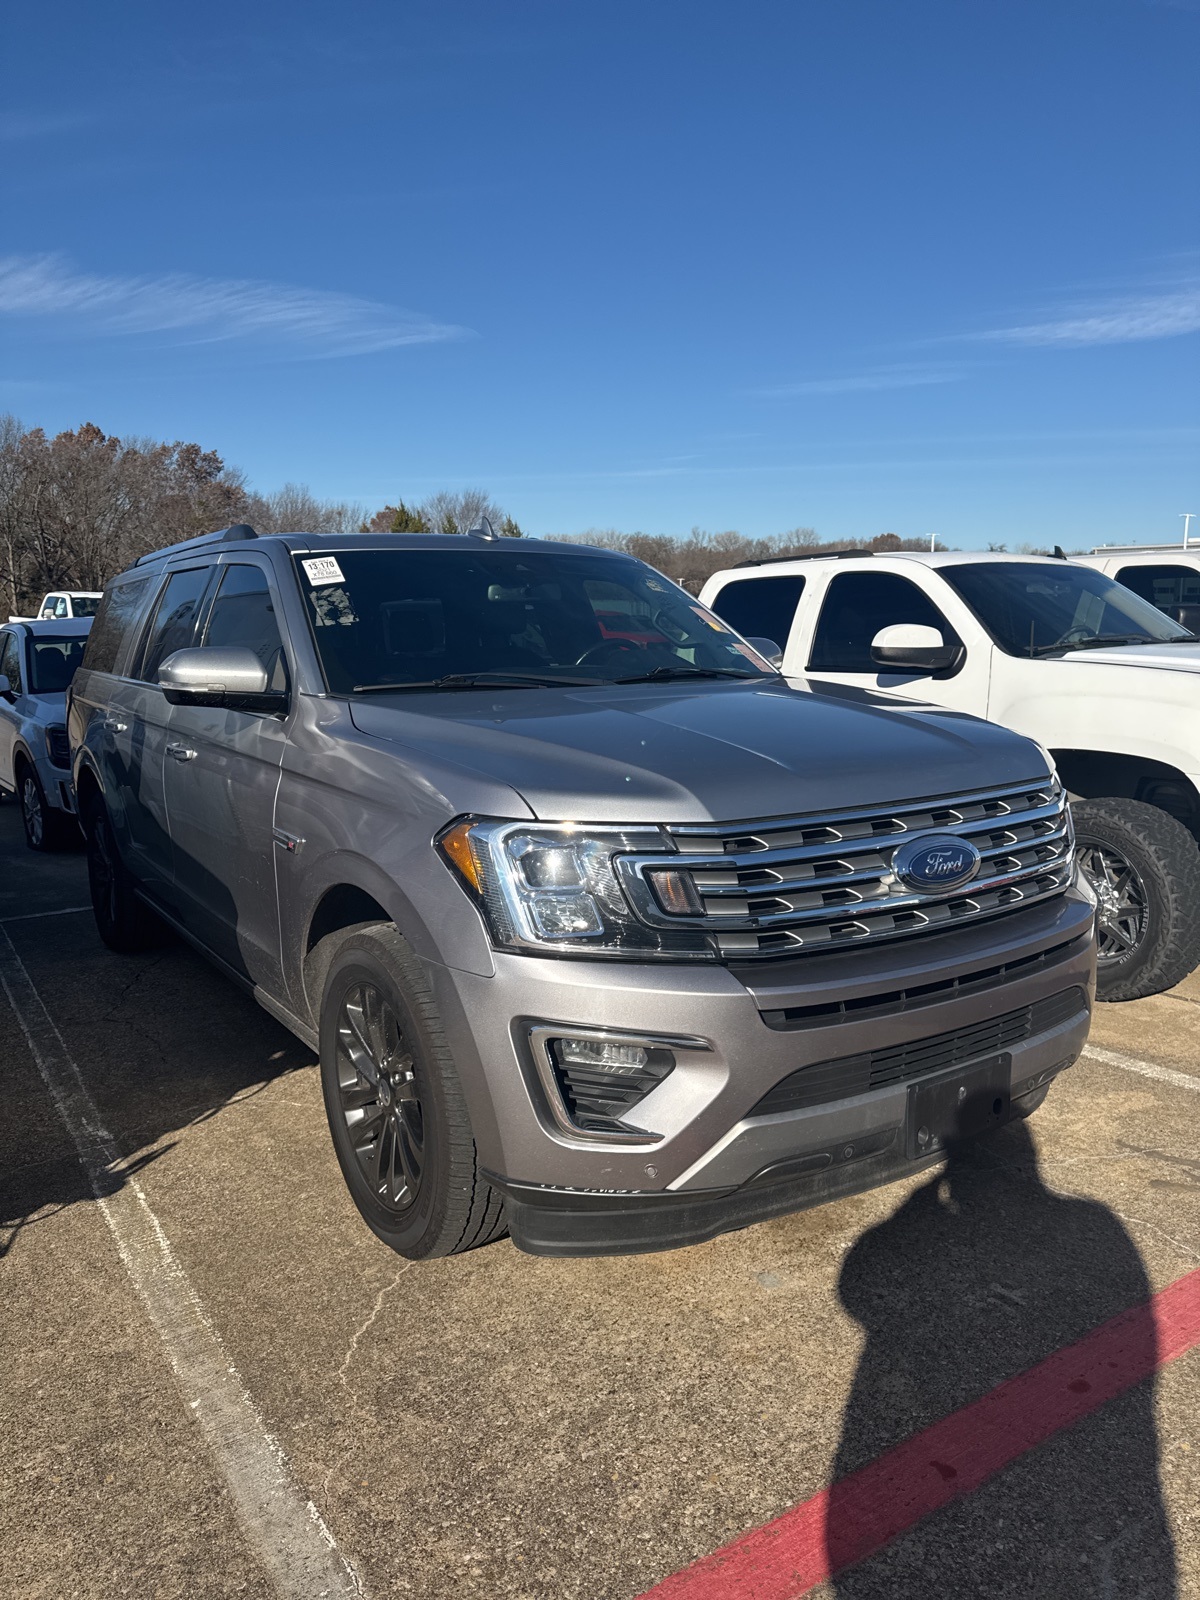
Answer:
(789, 885)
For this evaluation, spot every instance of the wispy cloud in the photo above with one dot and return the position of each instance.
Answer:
(1123, 321)
(17, 126)
(862, 382)
(317, 322)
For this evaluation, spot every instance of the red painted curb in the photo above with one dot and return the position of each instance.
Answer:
(786, 1558)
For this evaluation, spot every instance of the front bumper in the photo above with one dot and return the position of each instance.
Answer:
(713, 1162)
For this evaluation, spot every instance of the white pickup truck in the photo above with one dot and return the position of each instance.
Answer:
(1058, 651)
(64, 603)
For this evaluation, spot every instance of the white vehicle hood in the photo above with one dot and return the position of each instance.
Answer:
(1166, 657)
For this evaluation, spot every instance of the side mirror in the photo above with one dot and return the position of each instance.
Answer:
(6, 688)
(913, 647)
(219, 675)
(768, 649)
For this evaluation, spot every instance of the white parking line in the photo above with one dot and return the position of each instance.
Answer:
(284, 1527)
(1148, 1069)
(32, 916)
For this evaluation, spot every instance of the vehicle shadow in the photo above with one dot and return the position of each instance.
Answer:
(162, 1041)
(980, 1274)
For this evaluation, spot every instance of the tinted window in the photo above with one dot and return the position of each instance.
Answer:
(174, 620)
(1032, 608)
(119, 609)
(1166, 587)
(857, 605)
(761, 607)
(10, 661)
(243, 614)
(84, 605)
(53, 663)
(412, 616)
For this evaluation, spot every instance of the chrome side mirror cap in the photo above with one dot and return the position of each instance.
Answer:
(219, 675)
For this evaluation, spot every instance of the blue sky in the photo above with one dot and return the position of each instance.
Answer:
(929, 267)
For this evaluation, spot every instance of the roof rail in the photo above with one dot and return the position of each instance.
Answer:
(234, 534)
(812, 555)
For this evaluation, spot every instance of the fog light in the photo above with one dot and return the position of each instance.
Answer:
(602, 1054)
(601, 1080)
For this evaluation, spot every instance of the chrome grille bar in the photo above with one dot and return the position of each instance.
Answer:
(793, 884)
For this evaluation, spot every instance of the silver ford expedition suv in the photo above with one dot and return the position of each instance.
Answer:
(606, 934)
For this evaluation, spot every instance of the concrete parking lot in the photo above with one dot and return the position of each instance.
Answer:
(216, 1382)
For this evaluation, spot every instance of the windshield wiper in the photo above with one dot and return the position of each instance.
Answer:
(1102, 640)
(658, 674)
(479, 680)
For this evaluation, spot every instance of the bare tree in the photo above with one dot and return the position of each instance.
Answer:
(295, 509)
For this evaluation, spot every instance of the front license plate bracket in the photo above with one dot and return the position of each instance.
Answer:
(957, 1105)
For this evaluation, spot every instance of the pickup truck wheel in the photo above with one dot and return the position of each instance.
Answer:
(123, 921)
(395, 1105)
(1144, 867)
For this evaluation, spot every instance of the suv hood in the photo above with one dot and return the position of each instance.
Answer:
(1169, 657)
(699, 753)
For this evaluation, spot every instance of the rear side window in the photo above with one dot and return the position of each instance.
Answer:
(243, 614)
(120, 608)
(857, 605)
(53, 663)
(761, 607)
(174, 620)
(1166, 587)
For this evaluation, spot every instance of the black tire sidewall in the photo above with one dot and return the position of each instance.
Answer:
(1125, 828)
(130, 929)
(413, 1232)
(29, 775)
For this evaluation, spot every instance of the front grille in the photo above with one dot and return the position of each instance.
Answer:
(876, 1069)
(790, 886)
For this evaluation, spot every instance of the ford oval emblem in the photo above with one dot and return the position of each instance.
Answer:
(935, 861)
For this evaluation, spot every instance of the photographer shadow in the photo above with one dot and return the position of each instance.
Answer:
(981, 1274)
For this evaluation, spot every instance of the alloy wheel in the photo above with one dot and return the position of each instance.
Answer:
(31, 808)
(1121, 898)
(377, 1090)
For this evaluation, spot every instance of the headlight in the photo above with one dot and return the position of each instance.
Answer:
(554, 887)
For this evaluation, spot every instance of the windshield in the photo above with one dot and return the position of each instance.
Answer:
(1031, 609)
(390, 618)
(53, 662)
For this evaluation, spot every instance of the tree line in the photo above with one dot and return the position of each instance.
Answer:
(78, 507)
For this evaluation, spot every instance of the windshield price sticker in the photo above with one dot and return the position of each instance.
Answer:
(323, 569)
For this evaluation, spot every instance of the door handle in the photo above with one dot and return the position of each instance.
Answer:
(113, 725)
(180, 752)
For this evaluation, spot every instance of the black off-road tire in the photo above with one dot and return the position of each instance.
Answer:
(46, 828)
(125, 923)
(453, 1209)
(1166, 860)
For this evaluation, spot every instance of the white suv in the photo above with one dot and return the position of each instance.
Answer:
(1055, 650)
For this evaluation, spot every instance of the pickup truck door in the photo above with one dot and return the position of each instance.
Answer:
(10, 666)
(221, 777)
(841, 616)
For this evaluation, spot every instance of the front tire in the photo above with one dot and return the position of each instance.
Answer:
(1144, 867)
(396, 1110)
(45, 828)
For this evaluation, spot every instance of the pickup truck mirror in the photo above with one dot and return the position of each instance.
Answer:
(913, 647)
(767, 648)
(219, 675)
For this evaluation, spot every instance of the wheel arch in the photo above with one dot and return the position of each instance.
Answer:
(1102, 774)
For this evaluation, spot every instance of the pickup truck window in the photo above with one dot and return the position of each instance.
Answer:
(1036, 608)
(761, 607)
(83, 605)
(53, 663)
(397, 617)
(1166, 586)
(119, 609)
(857, 605)
(174, 620)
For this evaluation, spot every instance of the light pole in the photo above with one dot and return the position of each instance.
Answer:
(1187, 522)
